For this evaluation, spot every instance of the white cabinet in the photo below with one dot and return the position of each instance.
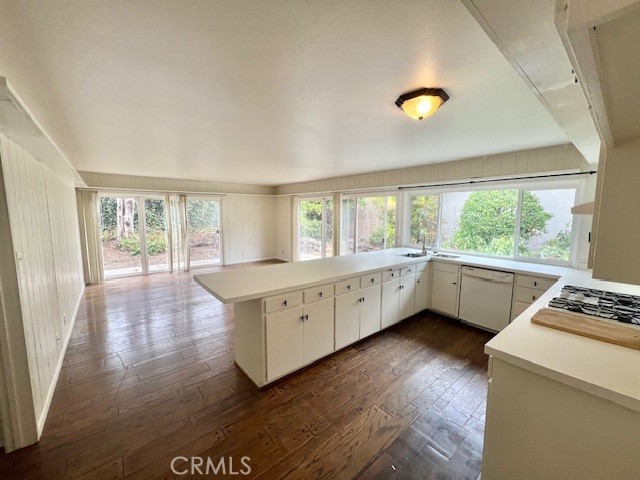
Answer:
(407, 296)
(445, 290)
(390, 302)
(422, 291)
(285, 339)
(347, 318)
(297, 336)
(357, 315)
(528, 289)
(370, 311)
(318, 330)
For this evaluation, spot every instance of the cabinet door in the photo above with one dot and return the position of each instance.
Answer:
(407, 296)
(370, 311)
(348, 318)
(390, 302)
(422, 291)
(284, 342)
(318, 330)
(444, 293)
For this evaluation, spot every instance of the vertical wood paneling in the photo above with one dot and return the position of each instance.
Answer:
(45, 237)
(541, 160)
(284, 207)
(248, 228)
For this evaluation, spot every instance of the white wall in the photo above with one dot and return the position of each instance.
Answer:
(248, 228)
(45, 238)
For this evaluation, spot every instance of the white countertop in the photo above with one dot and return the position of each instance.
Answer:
(264, 281)
(602, 369)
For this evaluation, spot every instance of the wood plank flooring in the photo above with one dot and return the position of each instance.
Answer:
(149, 376)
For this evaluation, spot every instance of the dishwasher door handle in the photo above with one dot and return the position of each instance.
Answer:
(488, 280)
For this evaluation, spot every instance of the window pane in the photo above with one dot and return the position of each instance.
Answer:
(156, 234)
(328, 222)
(376, 223)
(479, 222)
(545, 230)
(348, 231)
(120, 236)
(203, 220)
(310, 229)
(424, 219)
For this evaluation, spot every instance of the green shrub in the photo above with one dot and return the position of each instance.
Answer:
(156, 243)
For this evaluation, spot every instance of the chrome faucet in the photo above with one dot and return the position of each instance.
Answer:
(424, 244)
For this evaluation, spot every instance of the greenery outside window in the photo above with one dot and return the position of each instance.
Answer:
(368, 223)
(315, 234)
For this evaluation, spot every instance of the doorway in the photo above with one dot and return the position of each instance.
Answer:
(315, 233)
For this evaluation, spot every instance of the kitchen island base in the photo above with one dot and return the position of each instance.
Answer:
(537, 427)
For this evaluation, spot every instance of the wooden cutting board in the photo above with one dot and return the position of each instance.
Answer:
(605, 330)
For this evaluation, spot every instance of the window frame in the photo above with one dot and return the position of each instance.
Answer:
(532, 185)
(370, 194)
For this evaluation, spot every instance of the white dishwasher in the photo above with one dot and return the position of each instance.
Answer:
(485, 298)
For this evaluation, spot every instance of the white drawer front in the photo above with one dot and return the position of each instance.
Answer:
(390, 275)
(518, 308)
(346, 286)
(370, 280)
(527, 295)
(286, 300)
(539, 283)
(407, 270)
(315, 294)
(446, 267)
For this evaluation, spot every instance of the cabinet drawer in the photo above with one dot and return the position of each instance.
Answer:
(390, 275)
(346, 286)
(421, 267)
(407, 270)
(539, 283)
(518, 308)
(318, 293)
(446, 267)
(286, 300)
(370, 280)
(527, 295)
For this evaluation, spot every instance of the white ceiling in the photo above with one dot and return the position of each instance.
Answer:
(263, 92)
(618, 47)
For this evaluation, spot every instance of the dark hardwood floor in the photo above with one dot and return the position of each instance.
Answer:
(149, 376)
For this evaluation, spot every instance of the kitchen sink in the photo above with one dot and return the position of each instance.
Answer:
(414, 254)
(445, 255)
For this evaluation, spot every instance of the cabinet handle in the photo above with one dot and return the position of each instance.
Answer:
(454, 283)
(284, 303)
(362, 299)
(534, 297)
(372, 280)
(392, 274)
(417, 281)
(302, 318)
(535, 284)
(348, 287)
(320, 294)
(306, 317)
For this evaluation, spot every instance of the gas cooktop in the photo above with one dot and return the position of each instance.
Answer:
(599, 303)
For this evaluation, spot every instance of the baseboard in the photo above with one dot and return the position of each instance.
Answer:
(283, 259)
(56, 374)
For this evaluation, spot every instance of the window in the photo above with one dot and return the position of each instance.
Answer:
(545, 225)
(509, 222)
(315, 235)
(368, 223)
(423, 219)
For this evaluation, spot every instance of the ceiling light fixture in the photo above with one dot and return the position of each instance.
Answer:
(421, 103)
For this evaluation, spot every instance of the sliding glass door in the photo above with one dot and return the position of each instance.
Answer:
(203, 224)
(315, 234)
(155, 234)
(134, 235)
